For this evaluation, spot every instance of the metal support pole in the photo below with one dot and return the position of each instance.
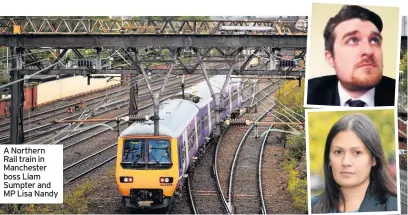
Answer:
(155, 97)
(118, 127)
(98, 59)
(7, 52)
(182, 86)
(133, 109)
(156, 114)
(256, 99)
(15, 97)
(272, 59)
(57, 53)
(216, 96)
(252, 95)
(20, 51)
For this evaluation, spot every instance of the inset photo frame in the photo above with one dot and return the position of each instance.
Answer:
(352, 158)
(352, 56)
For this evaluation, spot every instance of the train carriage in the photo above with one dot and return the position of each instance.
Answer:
(150, 170)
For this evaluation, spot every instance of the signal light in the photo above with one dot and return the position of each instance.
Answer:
(166, 179)
(126, 179)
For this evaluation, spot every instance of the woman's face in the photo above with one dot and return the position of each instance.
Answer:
(350, 160)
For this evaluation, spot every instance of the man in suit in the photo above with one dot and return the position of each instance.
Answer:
(353, 49)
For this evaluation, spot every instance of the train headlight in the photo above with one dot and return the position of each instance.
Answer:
(166, 179)
(126, 179)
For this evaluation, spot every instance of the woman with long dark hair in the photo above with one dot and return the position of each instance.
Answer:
(355, 169)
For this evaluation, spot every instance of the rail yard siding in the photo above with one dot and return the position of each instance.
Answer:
(70, 87)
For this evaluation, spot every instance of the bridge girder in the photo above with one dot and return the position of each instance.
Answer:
(179, 71)
(77, 41)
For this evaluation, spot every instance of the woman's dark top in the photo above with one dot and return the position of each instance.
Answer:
(369, 204)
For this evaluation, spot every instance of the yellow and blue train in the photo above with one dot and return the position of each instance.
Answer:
(151, 170)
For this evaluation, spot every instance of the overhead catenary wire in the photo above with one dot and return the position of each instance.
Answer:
(269, 112)
(22, 55)
(289, 109)
(28, 76)
(75, 127)
(277, 101)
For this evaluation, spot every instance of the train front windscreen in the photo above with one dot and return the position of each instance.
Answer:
(146, 154)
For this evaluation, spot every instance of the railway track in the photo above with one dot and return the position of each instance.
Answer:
(227, 148)
(202, 189)
(117, 111)
(50, 128)
(67, 145)
(91, 162)
(244, 186)
(50, 115)
(61, 111)
(264, 209)
(204, 193)
(60, 107)
(73, 151)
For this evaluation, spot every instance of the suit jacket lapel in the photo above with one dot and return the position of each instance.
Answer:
(333, 96)
(370, 204)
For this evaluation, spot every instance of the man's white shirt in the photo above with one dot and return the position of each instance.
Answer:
(367, 97)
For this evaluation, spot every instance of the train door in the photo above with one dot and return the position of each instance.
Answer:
(230, 99)
(185, 151)
(196, 131)
(180, 155)
(209, 117)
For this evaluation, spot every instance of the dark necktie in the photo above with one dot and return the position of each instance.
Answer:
(355, 103)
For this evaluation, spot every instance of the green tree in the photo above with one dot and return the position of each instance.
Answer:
(291, 96)
(403, 68)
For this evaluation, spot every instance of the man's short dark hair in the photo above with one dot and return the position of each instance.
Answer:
(348, 12)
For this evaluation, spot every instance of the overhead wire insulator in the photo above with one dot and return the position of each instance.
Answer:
(286, 63)
(135, 118)
(237, 122)
(84, 63)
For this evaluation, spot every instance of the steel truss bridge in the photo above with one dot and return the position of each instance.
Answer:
(185, 46)
(111, 26)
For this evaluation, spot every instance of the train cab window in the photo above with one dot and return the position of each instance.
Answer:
(146, 154)
(159, 151)
(133, 151)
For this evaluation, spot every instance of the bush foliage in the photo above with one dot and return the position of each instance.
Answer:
(291, 96)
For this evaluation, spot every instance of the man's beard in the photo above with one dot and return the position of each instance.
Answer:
(359, 83)
(363, 79)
